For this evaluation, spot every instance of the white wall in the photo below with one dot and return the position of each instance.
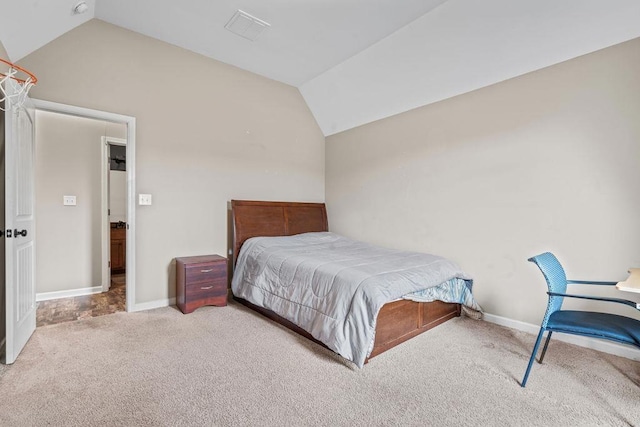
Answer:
(68, 162)
(206, 133)
(544, 162)
(460, 46)
(118, 196)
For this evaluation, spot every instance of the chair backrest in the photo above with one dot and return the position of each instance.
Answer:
(556, 281)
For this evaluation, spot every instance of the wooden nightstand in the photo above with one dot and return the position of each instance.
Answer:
(200, 280)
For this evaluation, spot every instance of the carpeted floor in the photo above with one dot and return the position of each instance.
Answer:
(229, 366)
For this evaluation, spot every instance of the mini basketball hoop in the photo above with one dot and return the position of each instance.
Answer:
(24, 84)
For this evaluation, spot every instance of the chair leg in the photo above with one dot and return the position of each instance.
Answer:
(531, 359)
(546, 344)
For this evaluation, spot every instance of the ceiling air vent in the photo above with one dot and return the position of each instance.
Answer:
(245, 25)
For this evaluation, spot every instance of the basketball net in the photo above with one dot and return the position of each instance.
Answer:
(23, 86)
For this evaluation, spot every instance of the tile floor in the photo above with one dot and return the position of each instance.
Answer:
(66, 309)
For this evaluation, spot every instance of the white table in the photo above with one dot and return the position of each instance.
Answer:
(632, 284)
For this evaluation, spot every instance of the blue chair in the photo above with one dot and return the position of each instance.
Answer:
(607, 326)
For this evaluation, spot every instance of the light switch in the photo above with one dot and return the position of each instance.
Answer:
(144, 199)
(69, 200)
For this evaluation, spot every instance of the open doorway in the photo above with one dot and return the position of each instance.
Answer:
(85, 263)
(114, 218)
(115, 207)
(70, 195)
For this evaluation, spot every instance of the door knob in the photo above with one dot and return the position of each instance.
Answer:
(17, 233)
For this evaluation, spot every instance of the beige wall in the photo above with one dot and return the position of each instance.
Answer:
(69, 238)
(546, 161)
(206, 133)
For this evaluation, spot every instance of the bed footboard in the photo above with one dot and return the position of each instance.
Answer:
(397, 321)
(402, 320)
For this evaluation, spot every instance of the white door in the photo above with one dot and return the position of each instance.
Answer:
(106, 213)
(19, 225)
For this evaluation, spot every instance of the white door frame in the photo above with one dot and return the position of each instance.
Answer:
(72, 110)
(106, 229)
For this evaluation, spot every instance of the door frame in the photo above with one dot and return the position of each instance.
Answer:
(130, 121)
(105, 142)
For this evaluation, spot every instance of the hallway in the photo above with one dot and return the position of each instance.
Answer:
(75, 308)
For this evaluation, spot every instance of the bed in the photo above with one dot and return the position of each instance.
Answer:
(266, 222)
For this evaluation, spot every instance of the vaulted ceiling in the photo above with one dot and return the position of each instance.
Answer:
(354, 61)
(304, 39)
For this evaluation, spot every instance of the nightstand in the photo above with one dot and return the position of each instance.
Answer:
(200, 280)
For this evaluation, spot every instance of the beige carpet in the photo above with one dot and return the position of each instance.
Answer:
(229, 366)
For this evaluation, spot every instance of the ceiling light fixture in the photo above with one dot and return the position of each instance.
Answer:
(80, 7)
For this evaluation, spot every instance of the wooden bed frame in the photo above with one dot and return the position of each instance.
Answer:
(397, 321)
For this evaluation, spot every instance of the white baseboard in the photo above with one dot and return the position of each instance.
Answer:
(44, 296)
(599, 345)
(154, 304)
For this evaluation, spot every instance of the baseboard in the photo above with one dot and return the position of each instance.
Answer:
(154, 304)
(44, 296)
(599, 345)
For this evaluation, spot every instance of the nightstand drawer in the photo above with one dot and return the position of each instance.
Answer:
(205, 273)
(197, 291)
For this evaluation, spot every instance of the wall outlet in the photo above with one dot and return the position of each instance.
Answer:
(69, 200)
(144, 199)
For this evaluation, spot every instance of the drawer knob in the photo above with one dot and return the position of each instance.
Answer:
(206, 271)
(206, 287)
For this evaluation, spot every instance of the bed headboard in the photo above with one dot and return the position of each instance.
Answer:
(256, 218)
